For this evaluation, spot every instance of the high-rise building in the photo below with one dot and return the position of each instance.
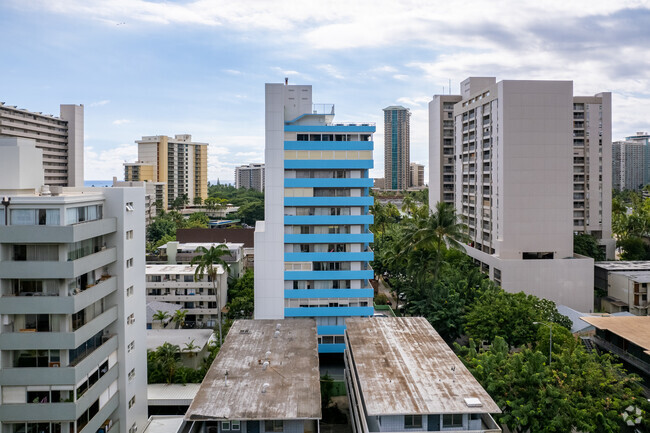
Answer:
(531, 165)
(250, 176)
(61, 138)
(628, 165)
(644, 139)
(397, 147)
(72, 297)
(311, 251)
(416, 175)
(178, 162)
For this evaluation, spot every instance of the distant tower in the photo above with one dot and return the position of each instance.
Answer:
(397, 145)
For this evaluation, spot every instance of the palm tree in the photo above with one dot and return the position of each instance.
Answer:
(207, 261)
(161, 315)
(167, 357)
(190, 347)
(440, 228)
(179, 318)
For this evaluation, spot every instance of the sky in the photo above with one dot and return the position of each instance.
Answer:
(150, 67)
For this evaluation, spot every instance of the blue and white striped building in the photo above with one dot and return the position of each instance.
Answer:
(311, 252)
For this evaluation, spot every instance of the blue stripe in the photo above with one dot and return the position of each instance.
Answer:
(331, 348)
(328, 293)
(328, 201)
(328, 275)
(329, 257)
(331, 330)
(328, 145)
(327, 219)
(330, 128)
(328, 183)
(329, 311)
(329, 238)
(328, 163)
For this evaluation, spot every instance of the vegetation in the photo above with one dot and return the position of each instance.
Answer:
(163, 228)
(249, 201)
(164, 365)
(587, 245)
(161, 316)
(207, 262)
(241, 297)
(631, 225)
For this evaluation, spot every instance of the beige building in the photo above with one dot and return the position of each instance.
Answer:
(530, 166)
(416, 175)
(178, 162)
(397, 147)
(61, 139)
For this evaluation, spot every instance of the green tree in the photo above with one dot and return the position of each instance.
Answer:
(250, 213)
(160, 228)
(241, 296)
(190, 348)
(160, 316)
(179, 318)
(165, 360)
(198, 220)
(208, 261)
(586, 245)
(198, 201)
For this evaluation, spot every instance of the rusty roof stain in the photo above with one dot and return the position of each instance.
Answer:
(292, 376)
(632, 328)
(405, 367)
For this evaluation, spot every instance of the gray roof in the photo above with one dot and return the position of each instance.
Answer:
(291, 381)
(405, 367)
(634, 265)
(155, 306)
(178, 337)
(578, 325)
(171, 394)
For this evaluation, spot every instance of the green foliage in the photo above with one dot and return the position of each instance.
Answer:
(251, 212)
(179, 318)
(197, 220)
(579, 391)
(241, 297)
(326, 390)
(160, 228)
(381, 299)
(164, 366)
(633, 248)
(234, 196)
(562, 338)
(587, 245)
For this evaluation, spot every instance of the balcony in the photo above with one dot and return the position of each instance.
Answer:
(58, 234)
(54, 269)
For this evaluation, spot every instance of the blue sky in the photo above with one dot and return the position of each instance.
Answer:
(145, 67)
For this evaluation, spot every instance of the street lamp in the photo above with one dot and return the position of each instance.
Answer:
(550, 339)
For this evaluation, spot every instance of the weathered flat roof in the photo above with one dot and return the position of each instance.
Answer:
(178, 337)
(632, 328)
(176, 269)
(405, 367)
(632, 265)
(171, 394)
(292, 379)
(163, 424)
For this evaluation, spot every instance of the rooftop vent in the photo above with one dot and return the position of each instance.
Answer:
(264, 388)
(276, 334)
(473, 402)
(265, 365)
(244, 331)
(268, 354)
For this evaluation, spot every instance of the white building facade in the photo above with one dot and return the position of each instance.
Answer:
(523, 184)
(71, 297)
(311, 251)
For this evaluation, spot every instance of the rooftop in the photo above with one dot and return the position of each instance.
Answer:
(163, 424)
(192, 246)
(289, 388)
(639, 265)
(154, 306)
(175, 269)
(405, 367)
(171, 394)
(632, 328)
(178, 337)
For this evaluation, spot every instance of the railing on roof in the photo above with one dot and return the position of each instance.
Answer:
(353, 124)
(322, 109)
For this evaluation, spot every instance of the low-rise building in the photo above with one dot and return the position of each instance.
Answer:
(193, 344)
(175, 284)
(264, 379)
(401, 376)
(177, 252)
(626, 284)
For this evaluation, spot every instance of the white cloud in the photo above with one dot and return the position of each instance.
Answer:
(121, 121)
(99, 103)
(414, 101)
(106, 163)
(401, 77)
(232, 71)
(331, 71)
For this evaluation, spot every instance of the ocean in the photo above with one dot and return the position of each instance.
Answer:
(98, 183)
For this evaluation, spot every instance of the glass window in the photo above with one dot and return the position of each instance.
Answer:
(235, 425)
(452, 420)
(412, 421)
(225, 425)
(274, 426)
(23, 217)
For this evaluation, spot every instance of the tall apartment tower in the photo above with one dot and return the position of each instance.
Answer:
(397, 147)
(520, 176)
(250, 176)
(311, 251)
(61, 138)
(628, 165)
(416, 175)
(72, 297)
(178, 162)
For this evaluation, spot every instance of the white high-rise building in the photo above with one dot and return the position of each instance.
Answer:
(526, 164)
(311, 251)
(72, 302)
(250, 176)
(61, 138)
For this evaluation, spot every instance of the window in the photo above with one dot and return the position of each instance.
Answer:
(274, 426)
(131, 319)
(235, 425)
(129, 234)
(225, 425)
(132, 401)
(134, 428)
(412, 421)
(131, 346)
(129, 206)
(452, 420)
(129, 291)
(129, 263)
(131, 375)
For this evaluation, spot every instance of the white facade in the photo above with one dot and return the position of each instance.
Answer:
(514, 183)
(61, 139)
(72, 297)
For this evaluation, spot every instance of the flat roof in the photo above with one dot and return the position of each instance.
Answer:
(291, 381)
(176, 269)
(405, 367)
(171, 394)
(632, 328)
(635, 265)
(178, 337)
(638, 276)
(163, 424)
(192, 246)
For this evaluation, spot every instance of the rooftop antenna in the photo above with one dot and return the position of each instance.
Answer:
(286, 81)
(225, 377)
